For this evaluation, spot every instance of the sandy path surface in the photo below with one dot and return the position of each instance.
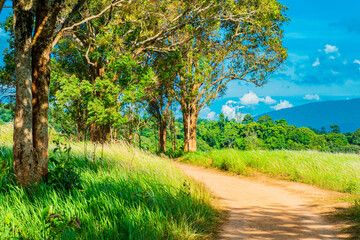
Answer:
(265, 208)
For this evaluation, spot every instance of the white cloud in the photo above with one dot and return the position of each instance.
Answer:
(282, 105)
(231, 102)
(330, 49)
(206, 113)
(268, 100)
(228, 111)
(356, 61)
(210, 116)
(312, 97)
(252, 99)
(316, 63)
(332, 57)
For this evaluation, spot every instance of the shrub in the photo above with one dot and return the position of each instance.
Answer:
(62, 172)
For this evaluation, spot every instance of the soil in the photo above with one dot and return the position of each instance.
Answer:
(261, 207)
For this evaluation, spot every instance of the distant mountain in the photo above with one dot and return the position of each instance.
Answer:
(344, 113)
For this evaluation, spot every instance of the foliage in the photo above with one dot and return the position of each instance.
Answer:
(62, 172)
(6, 115)
(7, 72)
(267, 134)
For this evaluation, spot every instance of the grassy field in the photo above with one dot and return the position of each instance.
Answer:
(122, 193)
(339, 172)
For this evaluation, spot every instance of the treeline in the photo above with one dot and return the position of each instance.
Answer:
(265, 133)
(248, 134)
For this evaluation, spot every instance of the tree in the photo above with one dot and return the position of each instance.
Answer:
(356, 137)
(335, 128)
(247, 119)
(243, 41)
(38, 27)
(160, 96)
(24, 170)
(35, 23)
(281, 122)
(265, 120)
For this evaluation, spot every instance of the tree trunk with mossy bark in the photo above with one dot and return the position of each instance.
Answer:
(162, 133)
(46, 17)
(24, 167)
(190, 125)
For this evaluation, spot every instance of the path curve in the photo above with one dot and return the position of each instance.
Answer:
(262, 210)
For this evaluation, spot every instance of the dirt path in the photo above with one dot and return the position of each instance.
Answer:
(265, 208)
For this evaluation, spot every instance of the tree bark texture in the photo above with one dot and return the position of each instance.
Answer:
(23, 142)
(46, 16)
(162, 134)
(190, 126)
(99, 134)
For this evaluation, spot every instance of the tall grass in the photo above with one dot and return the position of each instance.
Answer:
(125, 194)
(339, 172)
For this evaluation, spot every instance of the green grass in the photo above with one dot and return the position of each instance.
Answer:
(339, 172)
(125, 194)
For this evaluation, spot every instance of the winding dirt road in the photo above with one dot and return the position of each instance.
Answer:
(265, 208)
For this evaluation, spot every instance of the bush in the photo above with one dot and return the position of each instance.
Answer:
(62, 172)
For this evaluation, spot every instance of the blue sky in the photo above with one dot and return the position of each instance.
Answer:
(323, 42)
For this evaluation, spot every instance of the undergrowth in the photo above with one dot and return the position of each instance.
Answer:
(109, 192)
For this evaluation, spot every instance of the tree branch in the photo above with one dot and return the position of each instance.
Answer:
(67, 28)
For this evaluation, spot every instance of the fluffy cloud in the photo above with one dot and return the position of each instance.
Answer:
(316, 63)
(330, 49)
(211, 116)
(268, 100)
(252, 99)
(228, 111)
(312, 97)
(356, 61)
(206, 113)
(282, 105)
(231, 111)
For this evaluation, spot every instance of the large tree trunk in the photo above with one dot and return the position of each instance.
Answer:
(190, 126)
(99, 134)
(162, 134)
(46, 17)
(23, 142)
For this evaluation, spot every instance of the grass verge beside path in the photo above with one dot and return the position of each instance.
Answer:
(338, 172)
(127, 194)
